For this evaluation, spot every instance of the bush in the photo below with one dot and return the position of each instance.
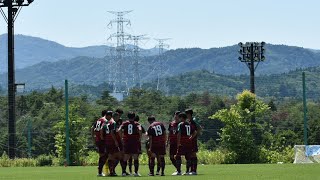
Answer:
(21, 162)
(275, 156)
(44, 160)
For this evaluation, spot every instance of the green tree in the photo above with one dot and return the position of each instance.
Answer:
(237, 133)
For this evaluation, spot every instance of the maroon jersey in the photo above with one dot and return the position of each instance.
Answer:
(186, 130)
(173, 131)
(98, 125)
(130, 130)
(157, 131)
(109, 128)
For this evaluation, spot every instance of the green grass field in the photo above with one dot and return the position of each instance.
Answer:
(274, 171)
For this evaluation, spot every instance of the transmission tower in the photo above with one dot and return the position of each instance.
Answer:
(136, 59)
(120, 83)
(161, 63)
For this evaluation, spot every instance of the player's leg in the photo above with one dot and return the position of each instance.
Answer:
(173, 152)
(111, 160)
(152, 158)
(158, 168)
(136, 164)
(188, 163)
(102, 157)
(178, 163)
(130, 164)
(194, 163)
(124, 164)
(162, 164)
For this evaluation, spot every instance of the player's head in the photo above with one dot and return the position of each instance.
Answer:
(103, 113)
(137, 118)
(176, 115)
(183, 117)
(120, 111)
(116, 116)
(109, 115)
(131, 116)
(189, 113)
(151, 119)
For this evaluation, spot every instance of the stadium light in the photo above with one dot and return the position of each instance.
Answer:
(251, 53)
(14, 8)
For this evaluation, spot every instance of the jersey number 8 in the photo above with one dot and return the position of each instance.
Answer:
(130, 129)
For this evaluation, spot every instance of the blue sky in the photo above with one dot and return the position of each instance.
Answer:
(190, 23)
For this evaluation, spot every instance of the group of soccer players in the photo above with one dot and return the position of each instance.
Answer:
(119, 142)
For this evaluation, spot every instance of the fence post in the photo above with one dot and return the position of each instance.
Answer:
(67, 123)
(305, 129)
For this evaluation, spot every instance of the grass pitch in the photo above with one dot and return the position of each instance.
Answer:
(207, 172)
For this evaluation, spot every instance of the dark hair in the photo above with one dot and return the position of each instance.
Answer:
(120, 111)
(177, 112)
(115, 114)
(189, 111)
(109, 113)
(151, 118)
(183, 115)
(131, 115)
(137, 118)
(104, 112)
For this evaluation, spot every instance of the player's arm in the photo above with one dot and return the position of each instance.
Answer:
(199, 128)
(140, 132)
(150, 143)
(193, 135)
(101, 133)
(114, 136)
(92, 133)
(168, 139)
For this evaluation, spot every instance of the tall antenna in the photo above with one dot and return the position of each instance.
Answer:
(161, 63)
(136, 59)
(120, 84)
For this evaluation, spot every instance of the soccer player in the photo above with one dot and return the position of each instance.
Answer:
(113, 144)
(198, 128)
(157, 144)
(95, 133)
(172, 139)
(131, 137)
(186, 134)
(143, 131)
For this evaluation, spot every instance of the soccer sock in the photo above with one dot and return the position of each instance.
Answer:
(178, 163)
(195, 164)
(158, 166)
(111, 168)
(124, 166)
(188, 163)
(136, 165)
(174, 162)
(151, 164)
(102, 161)
(163, 164)
(130, 165)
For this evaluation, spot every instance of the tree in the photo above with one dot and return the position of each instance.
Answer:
(237, 133)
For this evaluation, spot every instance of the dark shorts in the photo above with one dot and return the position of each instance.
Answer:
(101, 146)
(159, 149)
(184, 150)
(132, 147)
(111, 149)
(173, 149)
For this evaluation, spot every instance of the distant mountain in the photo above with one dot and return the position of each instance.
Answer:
(276, 85)
(32, 50)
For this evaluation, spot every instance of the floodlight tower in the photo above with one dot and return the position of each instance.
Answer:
(14, 8)
(161, 63)
(251, 53)
(120, 81)
(136, 58)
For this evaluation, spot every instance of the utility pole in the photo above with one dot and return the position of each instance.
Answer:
(251, 53)
(14, 8)
(120, 80)
(161, 63)
(136, 59)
